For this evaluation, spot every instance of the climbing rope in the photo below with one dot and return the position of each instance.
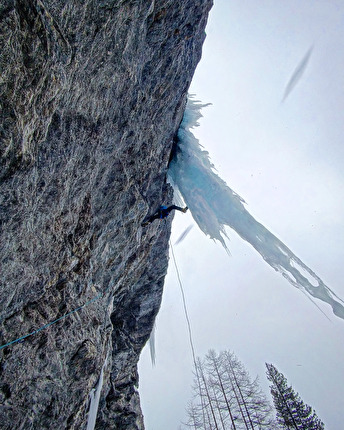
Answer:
(45, 326)
(189, 326)
(185, 307)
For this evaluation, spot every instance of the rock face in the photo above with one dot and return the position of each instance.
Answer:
(92, 93)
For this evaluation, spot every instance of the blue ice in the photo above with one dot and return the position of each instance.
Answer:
(214, 206)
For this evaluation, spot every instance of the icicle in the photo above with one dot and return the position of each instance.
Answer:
(297, 75)
(214, 205)
(183, 235)
(152, 345)
(94, 400)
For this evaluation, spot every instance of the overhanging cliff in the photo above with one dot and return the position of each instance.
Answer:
(91, 97)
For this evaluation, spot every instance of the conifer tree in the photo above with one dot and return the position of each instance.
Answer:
(292, 412)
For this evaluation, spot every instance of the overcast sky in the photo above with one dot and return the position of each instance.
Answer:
(286, 160)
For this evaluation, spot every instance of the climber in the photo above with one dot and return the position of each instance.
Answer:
(161, 213)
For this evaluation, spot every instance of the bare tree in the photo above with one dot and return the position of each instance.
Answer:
(226, 398)
(214, 370)
(195, 421)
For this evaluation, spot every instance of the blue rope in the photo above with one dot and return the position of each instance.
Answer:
(55, 321)
(20, 339)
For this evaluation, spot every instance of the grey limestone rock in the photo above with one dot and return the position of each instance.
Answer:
(92, 93)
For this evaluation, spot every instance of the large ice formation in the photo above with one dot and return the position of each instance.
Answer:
(214, 206)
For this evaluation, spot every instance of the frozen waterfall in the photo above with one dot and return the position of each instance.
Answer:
(214, 206)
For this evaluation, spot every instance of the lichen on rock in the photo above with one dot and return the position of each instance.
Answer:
(91, 97)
